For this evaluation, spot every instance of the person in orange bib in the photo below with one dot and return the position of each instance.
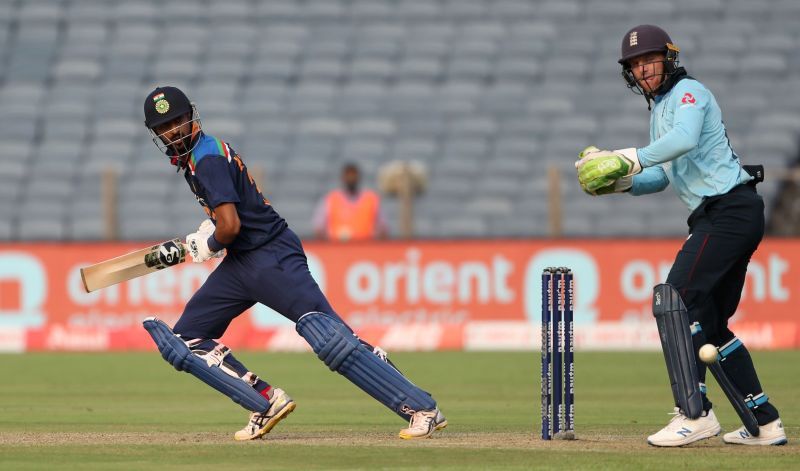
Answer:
(350, 213)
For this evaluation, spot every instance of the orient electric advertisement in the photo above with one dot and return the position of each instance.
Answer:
(471, 295)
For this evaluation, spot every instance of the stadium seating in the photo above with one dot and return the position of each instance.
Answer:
(489, 94)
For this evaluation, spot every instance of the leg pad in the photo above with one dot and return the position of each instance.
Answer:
(175, 351)
(339, 348)
(743, 405)
(676, 342)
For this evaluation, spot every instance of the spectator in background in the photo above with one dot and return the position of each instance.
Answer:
(350, 213)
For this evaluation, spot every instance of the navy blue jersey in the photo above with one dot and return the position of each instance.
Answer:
(216, 175)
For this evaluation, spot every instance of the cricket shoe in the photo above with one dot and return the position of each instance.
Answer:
(261, 423)
(682, 430)
(423, 424)
(769, 434)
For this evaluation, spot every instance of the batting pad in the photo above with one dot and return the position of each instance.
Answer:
(341, 350)
(672, 320)
(177, 353)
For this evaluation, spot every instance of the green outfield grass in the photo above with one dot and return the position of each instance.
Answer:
(133, 411)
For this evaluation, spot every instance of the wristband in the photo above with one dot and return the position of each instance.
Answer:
(214, 245)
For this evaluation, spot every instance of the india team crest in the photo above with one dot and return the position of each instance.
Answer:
(162, 106)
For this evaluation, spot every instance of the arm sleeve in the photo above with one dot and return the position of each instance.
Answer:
(690, 110)
(213, 172)
(651, 180)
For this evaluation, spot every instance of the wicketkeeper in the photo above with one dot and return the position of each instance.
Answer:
(690, 149)
(263, 262)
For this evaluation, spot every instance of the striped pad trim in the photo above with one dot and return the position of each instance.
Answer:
(729, 348)
(753, 402)
(695, 328)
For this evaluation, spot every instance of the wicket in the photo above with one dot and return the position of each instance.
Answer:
(558, 362)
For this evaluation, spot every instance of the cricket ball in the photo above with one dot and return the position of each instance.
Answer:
(708, 353)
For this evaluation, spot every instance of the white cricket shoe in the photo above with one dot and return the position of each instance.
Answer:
(769, 434)
(682, 430)
(423, 424)
(261, 423)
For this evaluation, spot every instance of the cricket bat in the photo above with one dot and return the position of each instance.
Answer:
(133, 265)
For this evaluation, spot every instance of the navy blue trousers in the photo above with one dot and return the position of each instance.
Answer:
(709, 272)
(275, 274)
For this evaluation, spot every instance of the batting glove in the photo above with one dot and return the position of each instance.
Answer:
(198, 247)
(207, 227)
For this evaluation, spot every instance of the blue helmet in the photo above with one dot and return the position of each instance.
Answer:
(644, 39)
(165, 104)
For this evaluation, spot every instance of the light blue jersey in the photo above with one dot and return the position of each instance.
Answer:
(688, 147)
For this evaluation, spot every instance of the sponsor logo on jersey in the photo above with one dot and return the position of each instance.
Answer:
(688, 99)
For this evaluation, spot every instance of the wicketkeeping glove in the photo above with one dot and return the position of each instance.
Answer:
(600, 169)
(619, 186)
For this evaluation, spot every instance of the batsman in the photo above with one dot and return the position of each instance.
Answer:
(263, 262)
(689, 149)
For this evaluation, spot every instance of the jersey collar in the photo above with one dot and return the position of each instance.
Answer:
(672, 80)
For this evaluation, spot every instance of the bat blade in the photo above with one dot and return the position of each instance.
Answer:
(133, 265)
